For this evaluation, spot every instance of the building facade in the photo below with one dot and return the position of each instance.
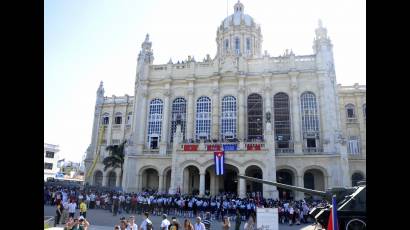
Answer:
(279, 118)
(50, 160)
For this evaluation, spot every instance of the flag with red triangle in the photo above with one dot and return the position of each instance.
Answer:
(332, 224)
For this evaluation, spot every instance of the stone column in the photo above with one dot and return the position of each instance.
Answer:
(164, 128)
(104, 180)
(362, 122)
(140, 121)
(242, 187)
(296, 119)
(161, 183)
(299, 182)
(215, 114)
(201, 184)
(241, 113)
(185, 184)
(139, 182)
(118, 180)
(327, 109)
(190, 115)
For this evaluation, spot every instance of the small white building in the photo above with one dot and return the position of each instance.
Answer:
(50, 160)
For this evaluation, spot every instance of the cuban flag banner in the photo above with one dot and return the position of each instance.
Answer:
(332, 223)
(219, 158)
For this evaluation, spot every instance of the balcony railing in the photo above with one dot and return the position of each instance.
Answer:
(116, 126)
(312, 150)
(284, 151)
(351, 120)
(226, 146)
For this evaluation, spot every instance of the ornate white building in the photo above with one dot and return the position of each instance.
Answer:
(278, 118)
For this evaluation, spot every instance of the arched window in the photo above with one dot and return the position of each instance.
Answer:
(228, 117)
(255, 117)
(356, 177)
(237, 45)
(310, 119)
(178, 111)
(155, 122)
(248, 45)
(350, 111)
(282, 119)
(118, 118)
(364, 111)
(106, 119)
(203, 118)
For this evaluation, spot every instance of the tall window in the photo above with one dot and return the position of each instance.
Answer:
(118, 118)
(350, 113)
(353, 145)
(228, 117)
(248, 45)
(49, 154)
(255, 116)
(237, 45)
(364, 111)
(178, 110)
(106, 119)
(310, 119)
(203, 118)
(282, 119)
(129, 118)
(155, 119)
(226, 44)
(48, 166)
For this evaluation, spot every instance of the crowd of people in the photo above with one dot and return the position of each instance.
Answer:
(224, 206)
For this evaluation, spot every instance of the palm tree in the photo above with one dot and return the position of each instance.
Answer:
(115, 158)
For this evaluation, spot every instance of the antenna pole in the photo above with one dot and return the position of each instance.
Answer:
(227, 8)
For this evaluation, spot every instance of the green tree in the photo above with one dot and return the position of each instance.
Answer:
(115, 159)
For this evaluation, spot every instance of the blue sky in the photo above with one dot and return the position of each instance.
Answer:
(88, 41)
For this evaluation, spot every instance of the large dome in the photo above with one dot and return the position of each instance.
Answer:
(239, 35)
(238, 17)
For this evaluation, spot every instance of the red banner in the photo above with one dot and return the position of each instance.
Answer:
(254, 147)
(213, 147)
(190, 147)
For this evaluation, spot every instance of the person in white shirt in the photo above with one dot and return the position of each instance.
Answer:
(165, 222)
(146, 222)
(291, 213)
(71, 208)
(131, 224)
(198, 224)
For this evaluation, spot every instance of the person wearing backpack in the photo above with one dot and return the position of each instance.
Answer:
(147, 223)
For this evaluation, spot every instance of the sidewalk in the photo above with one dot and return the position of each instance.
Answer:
(92, 227)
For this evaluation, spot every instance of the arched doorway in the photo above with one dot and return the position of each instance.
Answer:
(150, 179)
(191, 180)
(255, 117)
(112, 176)
(227, 182)
(256, 172)
(314, 179)
(285, 176)
(98, 178)
(356, 177)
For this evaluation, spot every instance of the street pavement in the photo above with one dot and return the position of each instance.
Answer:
(104, 220)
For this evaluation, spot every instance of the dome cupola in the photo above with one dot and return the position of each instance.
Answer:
(238, 34)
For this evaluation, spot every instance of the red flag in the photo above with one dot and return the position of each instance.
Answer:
(330, 222)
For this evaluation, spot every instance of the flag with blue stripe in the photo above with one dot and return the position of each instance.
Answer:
(332, 223)
(219, 158)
